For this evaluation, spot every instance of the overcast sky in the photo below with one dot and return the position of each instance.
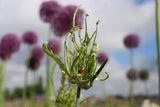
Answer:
(117, 19)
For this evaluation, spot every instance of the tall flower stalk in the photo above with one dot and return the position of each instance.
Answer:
(158, 40)
(144, 75)
(30, 38)
(34, 62)
(9, 44)
(131, 41)
(2, 77)
(26, 78)
(132, 81)
(48, 12)
(101, 58)
(60, 21)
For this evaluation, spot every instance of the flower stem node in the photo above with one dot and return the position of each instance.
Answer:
(80, 64)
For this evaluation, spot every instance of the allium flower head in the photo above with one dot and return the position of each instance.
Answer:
(37, 52)
(102, 57)
(144, 75)
(34, 63)
(131, 41)
(132, 74)
(49, 10)
(64, 20)
(10, 42)
(3, 53)
(30, 37)
(54, 45)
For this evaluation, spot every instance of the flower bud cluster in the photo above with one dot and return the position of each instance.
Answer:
(80, 62)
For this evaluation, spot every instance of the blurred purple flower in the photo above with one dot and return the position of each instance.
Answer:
(102, 57)
(34, 63)
(30, 37)
(37, 52)
(144, 74)
(3, 53)
(64, 20)
(131, 41)
(10, 43)
(49, 10)
(54, 45)
(132, 74)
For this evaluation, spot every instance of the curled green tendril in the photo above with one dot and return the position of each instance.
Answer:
(104, 78)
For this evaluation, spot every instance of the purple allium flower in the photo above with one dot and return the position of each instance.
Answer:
(144, 75)
(102, 57)
(49, 10)
(30, 37)
(3, 53)
(131, 41)
(34, 63)
(37, 52)
(54, 45)
(64, 20)
(10, 42)
(132, 74)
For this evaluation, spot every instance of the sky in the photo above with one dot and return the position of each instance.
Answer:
(117, 19)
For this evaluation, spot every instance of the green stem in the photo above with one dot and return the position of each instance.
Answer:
(48, 66)
(26, 77)
(146, 88)
(2, 78)
(132, 80)
(32, 89)
(158, 40)
(104, 93)
(131, 59)
(51, 77)
(131, 93)
(78, 96)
